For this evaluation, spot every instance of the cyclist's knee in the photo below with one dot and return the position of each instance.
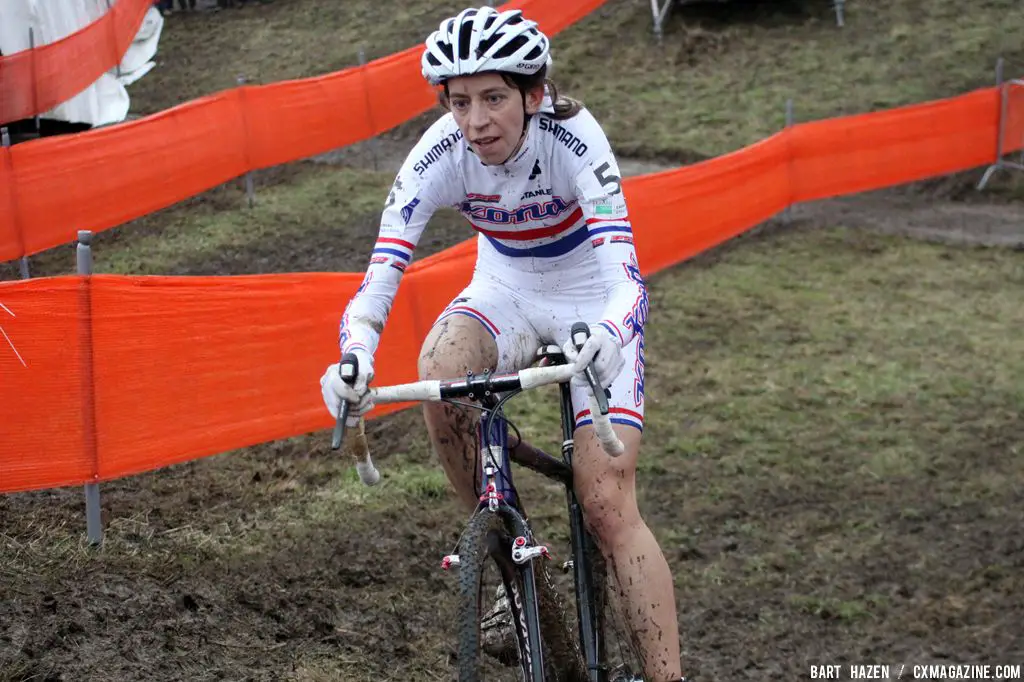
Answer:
(606, 486)
(454, 346)
(611, 517)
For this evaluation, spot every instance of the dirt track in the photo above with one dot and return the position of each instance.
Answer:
(271, 600)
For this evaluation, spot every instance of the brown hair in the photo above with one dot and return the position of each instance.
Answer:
(565, 107)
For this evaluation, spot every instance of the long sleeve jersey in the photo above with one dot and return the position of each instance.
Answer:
(555, 207)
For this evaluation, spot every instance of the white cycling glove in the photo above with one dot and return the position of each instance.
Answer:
(601, 348)
(358, 396)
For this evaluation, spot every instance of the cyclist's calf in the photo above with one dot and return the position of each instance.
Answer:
(606, 488)
(456, 345)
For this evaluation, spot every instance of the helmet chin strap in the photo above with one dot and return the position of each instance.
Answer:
(519, 144)
(522, 136)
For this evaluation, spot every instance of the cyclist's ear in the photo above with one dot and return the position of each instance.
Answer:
(533, 98)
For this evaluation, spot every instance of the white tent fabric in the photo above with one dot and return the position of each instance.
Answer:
(105, 101)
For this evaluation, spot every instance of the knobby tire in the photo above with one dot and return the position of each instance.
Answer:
(487, 539)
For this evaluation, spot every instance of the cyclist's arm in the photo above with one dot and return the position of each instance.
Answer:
(418, 191)
(599, 192)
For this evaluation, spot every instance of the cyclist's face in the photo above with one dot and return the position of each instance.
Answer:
(489, 113)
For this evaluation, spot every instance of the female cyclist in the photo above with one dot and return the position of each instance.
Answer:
(535, 176)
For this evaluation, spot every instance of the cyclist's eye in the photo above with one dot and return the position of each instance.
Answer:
(460, 104)
(495, 99)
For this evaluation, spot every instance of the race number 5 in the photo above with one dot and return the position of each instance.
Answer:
(606, 180)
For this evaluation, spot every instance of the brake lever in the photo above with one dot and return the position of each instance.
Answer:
(348, 370)
(582, 329)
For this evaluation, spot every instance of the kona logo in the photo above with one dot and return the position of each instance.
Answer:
(366, 282)
(437, 151)
(526, 213)
(571, 142)
(635, 321)
(536, 193)
(638, 370)
(637, 317)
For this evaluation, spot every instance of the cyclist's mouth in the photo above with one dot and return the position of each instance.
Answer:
(486, 144)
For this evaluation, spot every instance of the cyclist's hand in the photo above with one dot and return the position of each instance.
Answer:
(601, 348)
(358, 396)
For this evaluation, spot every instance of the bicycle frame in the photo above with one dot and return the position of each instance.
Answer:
(496, 489)
(497, 492)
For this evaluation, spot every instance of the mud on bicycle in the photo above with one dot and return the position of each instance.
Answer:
(500, 532)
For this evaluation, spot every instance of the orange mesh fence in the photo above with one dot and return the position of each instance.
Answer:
(36, 80)
(867, 151)
(126, 374)
(1013, 118)
(103, 178)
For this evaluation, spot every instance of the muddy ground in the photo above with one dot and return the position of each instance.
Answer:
(264, 565)
(227, 568)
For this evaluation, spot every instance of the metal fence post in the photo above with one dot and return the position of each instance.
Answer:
(838, 5)
(659, 14)
(35, 92)
(83, 256)
(787, 212)
(5, 141)
(1000, 131)
(374, 141)
(250, 188)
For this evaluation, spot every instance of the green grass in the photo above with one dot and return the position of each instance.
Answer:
(715, 86)
(299, 210)
(719, 80)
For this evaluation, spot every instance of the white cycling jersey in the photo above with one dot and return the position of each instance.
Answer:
(552, 218)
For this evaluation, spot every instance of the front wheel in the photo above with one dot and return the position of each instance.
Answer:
(487, 544)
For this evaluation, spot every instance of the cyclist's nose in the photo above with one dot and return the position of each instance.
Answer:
(479, 117)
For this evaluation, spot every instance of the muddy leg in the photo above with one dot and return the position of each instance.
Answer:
(456, 345)
(606, 489)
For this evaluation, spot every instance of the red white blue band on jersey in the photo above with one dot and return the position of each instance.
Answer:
(609, 226)
(550, 250)
(491, 328)
(354, 347)
(614, 330)
(399, 248)
(616, 415)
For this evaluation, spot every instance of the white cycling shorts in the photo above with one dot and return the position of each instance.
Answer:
(520, 321)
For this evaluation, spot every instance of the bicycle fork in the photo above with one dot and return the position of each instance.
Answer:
(496, 491)
(498, 494)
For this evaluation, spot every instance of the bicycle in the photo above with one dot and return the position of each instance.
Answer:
(498, 530)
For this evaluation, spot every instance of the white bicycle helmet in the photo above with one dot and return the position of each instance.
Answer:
(478, 40)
